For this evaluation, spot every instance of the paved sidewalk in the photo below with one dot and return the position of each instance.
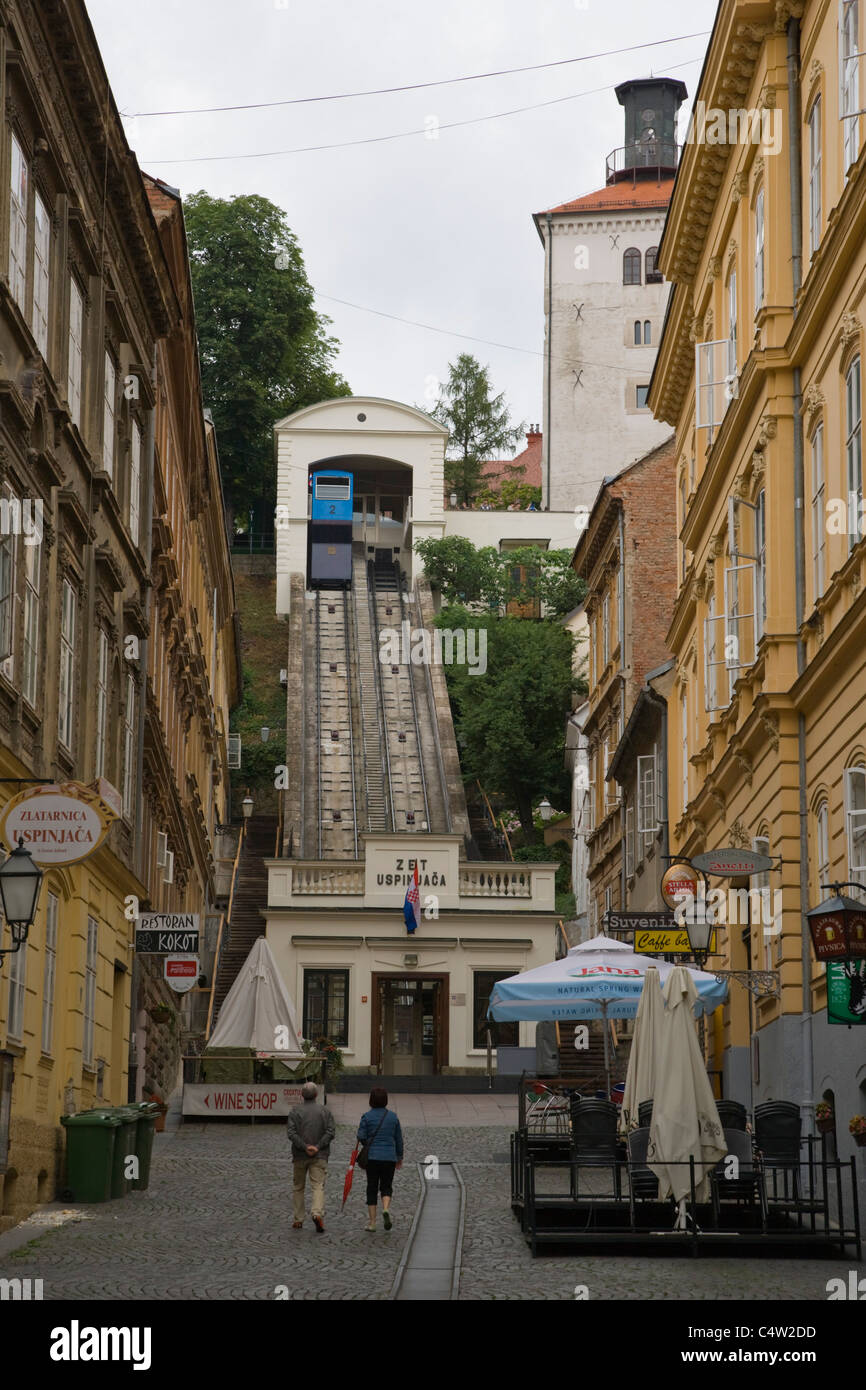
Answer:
(421, 1110)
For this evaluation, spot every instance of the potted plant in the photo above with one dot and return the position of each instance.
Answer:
(160, 1013)
(857, 1127)
(824, 1117)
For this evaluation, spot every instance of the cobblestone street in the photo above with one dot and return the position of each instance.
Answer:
(216, 1224)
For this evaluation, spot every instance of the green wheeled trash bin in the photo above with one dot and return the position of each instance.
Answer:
(91, 1141)
(124, 1148)
(147, 1115)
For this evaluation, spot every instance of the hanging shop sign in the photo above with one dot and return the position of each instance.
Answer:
(677, 881)
(181, 972)
(167, 933)
(60, 823)
(846, 992)
(254, 1099)
(669, 941)
(732, 863)
(838, 929)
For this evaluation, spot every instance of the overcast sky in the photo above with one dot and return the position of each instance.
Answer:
(438, 231)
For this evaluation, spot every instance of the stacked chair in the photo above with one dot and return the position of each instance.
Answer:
(594, 1139)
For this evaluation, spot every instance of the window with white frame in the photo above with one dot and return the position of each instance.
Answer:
(819, 526)
(66, 702)
(608, 900)
(822, 851)
(760, 565)
(20, 182)
(716, 383)
(684, 748)
(134, 481)
(745, 563)
(853, 451)
(129, 748)
(682, 524)
(647, 802)
(590, 805)
(714, 637)
(75, 356)
(49, 973)
(91, 959)
(769, 929)
(41, 273)
(8, 544)
(32, 568)
(108, 411)
(732, 317)
(855, 822)
(851, 54)
(629, 841)
(759, 250)
(591, 649)
(815, 176)
(17, 991)
(605, 630)
(101, 701)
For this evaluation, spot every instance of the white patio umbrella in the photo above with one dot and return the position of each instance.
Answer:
(601, 978)
(685, 1122)
(640, 1079)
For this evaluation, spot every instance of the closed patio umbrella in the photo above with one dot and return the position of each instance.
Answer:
(685, 1122)
(640, 1079)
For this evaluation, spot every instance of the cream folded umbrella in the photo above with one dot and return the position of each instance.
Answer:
(642, 1071)
(685, 1122)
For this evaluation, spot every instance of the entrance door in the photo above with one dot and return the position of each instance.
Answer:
(409, 1009)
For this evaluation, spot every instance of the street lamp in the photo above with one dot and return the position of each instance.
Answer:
(20, 881)
(837, 925)
(545, 810)
(700, 925)
(453, 499)
(247, 805)
(265, 733)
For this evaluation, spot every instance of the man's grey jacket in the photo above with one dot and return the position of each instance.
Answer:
(310, 1123)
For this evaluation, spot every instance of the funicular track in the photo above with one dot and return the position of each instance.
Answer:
(337, 810)
(404, 756)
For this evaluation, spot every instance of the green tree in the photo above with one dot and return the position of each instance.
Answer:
(478, 422)
(495, 578)
(510, 722)
(264, 349)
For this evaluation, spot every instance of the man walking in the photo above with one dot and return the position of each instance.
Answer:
(311, 1129)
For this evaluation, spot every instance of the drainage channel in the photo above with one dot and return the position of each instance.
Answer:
(430, 1266)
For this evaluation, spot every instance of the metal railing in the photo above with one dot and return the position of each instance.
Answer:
(656, 156)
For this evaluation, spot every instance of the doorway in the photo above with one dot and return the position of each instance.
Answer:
(410, 1026)
(378, 521)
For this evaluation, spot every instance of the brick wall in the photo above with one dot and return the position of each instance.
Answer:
(648, 493)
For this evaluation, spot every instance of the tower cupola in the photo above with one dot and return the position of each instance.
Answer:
(650, 150)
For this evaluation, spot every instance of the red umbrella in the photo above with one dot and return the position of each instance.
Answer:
(350, 1173)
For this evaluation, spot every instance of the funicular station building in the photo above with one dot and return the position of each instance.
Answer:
(374, 787)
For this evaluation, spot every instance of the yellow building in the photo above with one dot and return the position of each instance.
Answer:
(760, 374)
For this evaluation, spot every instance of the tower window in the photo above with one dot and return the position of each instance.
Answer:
(637, 332)
(653, 276)
(631, 266)
(647, 331)
(641, 393)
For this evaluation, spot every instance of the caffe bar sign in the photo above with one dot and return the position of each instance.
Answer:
(60, 823)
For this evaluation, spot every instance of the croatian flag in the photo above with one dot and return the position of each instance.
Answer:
(412, 904)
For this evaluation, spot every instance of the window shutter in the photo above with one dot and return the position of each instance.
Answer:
(161, 848)
(168, 876)
(234, 750)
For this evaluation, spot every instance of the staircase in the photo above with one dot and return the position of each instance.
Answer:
(586, 1065)
(246, 923)
(489, 841)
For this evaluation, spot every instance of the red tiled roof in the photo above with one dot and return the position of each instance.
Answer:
(649, 193)
(497, 470)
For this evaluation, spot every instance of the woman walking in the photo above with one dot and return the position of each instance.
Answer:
(380, 1131)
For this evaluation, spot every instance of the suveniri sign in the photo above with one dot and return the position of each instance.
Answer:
(61, 823)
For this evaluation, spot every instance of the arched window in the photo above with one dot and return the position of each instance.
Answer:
(631, 266)
(637, 332)
(653, 276)
(647, 331)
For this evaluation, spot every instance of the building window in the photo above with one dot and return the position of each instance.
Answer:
(90, 991)
(41, 274)
(769, 928)
(647, 802)
(605, 630)
(591, 649)
(653, 276)
(629, 841)
(760, 565)
(76, 340)
(759, 251)
(18, 226)
(101, 701)
(326, 997)
(49, 973)
(732, 319)
(32, 568)
(66, 706)
(640, 395)
(134, 481)
(502, 1034)
(684, 748)
(822, 848)
(849, 106)
(129, 748)
(853, 451)
(855, 822)
(711, 656)
(683, 565)
(637, 335)
(815, 176)
(108, 407)
(819, 528)
(9, 506)
(631, 266)
(17, 988)
(647, 332)
(608, 900)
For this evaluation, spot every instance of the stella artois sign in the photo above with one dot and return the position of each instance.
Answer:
(679, 882)
(61, 823)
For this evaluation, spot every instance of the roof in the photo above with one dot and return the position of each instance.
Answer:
(501, 470)
(644, 193)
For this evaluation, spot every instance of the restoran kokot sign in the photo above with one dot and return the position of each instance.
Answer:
(60, 823)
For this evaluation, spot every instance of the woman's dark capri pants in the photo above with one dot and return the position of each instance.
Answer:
(380, 1178)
